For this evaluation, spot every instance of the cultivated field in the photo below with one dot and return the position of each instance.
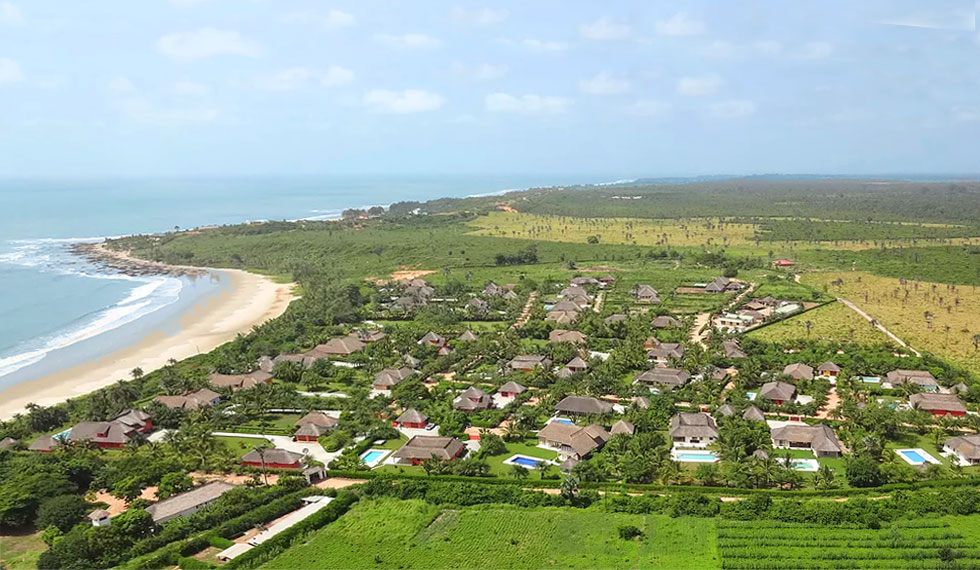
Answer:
(939, 318)
(833, 323)
(413, 534)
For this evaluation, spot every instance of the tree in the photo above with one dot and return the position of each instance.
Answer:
(128, 488)
(863, 471)
(491, 444)
(265, 474)
(569, 487)
(62, 511)
(173, 483)
(519, 472)
(136, 373)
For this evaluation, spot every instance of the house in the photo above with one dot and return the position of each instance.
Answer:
(753, 413)
(665, 352)
(408, 303)
(571, 441)
(340, 346)
(422, 447)
(43, 444)
(584, 281)
(828, 370)
(203, 398)
(236, 382)
(577, 365)
(445, 351)
(725, 410)
(368, 336)
(582, 406)
(615, 318)
(432, 339)
(732, 349)
(622, 426)
(966, 447)
(189, 502)
(472, 399)
(663, 377)
(7, 443)
(696, 429)
(798, 371)
(562, 317)
(574, 292)
(667, 322)
(99, 517)
(390, 377)
(562, 335)
(606, 280)
(778, 392)
(565, 307)
(645, 294)
(820, 438)
(137, 420)
(412, 418)
(938, 404)
(410, 361)
(112, 434)
(528, 362)
(275, 458)
(314, 424)
(511, 390)
(921, 378)
(651, 343)
(722, 285)
(958, 388)
(467, 336)
(738, 322)
(491, 289)
(477, 305)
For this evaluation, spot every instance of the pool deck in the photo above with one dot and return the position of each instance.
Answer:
(512, 460)
(926, 456)
(378, 460)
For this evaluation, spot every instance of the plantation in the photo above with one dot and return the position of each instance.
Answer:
(936, 543)
(413, 534)
(933, 317)
(830, 323)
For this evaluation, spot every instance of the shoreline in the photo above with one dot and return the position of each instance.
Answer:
(251, 300)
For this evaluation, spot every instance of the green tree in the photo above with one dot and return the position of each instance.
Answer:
(62, 511)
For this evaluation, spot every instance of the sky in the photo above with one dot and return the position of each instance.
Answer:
(619, 88)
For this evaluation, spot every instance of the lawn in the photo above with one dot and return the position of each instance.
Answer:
(21, 551)
(528, 448)
(241, 445)
(831, 323)
(933, 317)
(413, 534)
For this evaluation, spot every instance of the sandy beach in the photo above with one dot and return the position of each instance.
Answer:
(251, 300)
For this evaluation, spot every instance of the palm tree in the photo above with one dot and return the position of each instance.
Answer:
(261, 451)
(136, 373)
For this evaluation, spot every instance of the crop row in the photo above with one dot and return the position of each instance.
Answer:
(776, 542)
(805, 564)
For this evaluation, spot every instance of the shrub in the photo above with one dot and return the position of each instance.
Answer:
(629, 532)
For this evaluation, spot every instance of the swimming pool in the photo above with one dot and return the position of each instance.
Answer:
(526, 461)
(917, 456)
(805, 465)
(750, 395)
(563, 421)
(696, 456)
(373, 457)
(62, 435)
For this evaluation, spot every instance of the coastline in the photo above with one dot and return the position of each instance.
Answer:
(251, 300)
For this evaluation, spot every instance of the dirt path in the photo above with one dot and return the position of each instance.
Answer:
(879, 326)
(600, 297)
(699, 332)
(526, 311)
(833, 400)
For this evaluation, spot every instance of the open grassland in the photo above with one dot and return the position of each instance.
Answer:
(830, 323)
(939, 543)
(21, 551)
(414, 534)
(935, 317)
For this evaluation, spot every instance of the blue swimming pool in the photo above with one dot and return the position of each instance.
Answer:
(527, 462)
(697, 456)
(913, 456)
(372, 456)
(564, 421)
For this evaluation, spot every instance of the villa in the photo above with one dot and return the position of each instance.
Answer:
(473, 399)
(693, 429)
(663, 377)
(828, 370)
(412, 418)
(820, 438)
(114, 434)
(965, 447)
(666, 322)
(562, 335)
(275, 458)
(645, 294)
(778, 392)
(666, 351)
(722, 285)
(511, 390)
(938, 404)
(467, 336)
(203, 398)
(622, 427)
(422, 447)
(433, 339)
(189, 502)
(732, 349)
(341, 346)
(798, 371)
(528, 362)
(615, 318)
(582, 406)
(921, 378)
(236, 382)
(314, 424)
(571, 441)
(390, 377)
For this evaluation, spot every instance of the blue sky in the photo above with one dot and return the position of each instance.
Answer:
(216, 87)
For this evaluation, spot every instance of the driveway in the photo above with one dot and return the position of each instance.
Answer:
(313, 449)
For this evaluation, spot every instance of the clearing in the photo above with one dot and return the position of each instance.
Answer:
(830, 323)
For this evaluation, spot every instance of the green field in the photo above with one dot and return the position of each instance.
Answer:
(413, 534)
(20, 551)
(830, 323)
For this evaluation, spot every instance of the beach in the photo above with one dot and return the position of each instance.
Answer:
(250, 300)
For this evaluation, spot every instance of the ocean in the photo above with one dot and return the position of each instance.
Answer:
(58, 311)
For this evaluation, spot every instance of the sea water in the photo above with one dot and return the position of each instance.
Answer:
(57, 310)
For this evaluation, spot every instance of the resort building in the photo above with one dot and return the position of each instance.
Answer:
(798, 371)
(778, 392)
(203, 398)
(528, 362)
(662, 377)
(820, 438)
(511, 390)
(99, 517)
(828, 370)
(622, 427)
(276, 458)
(390, 377)
(921, 378)
(582, 406)
(645, 294)
(236, 382)
(472, 399)
(964, 447)
(732, 349)
(666, 322)
(314, 424)
(412, 418)
(188, 503)
(571, 441)
(562, 335)
(665, 352)
(693, 429)
(938, 404)
(422, 447)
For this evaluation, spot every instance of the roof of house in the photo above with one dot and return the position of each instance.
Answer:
(313, 430)
(580, 280)
(819, 436)
(101, 432)
(136, 418)
(574, 291)
(577, 362)
(190, 400)
(799, 371)
(43, 443)
(828, 367)
(317, 418)
(615, 318)
(274, 455)
(667, 350)
(192, 499)
(472, 398)
(562, 317)
(622, 426)
(7, 442)
(920, 377)
(427, 446)
(241, 381)
(778, 391)
(97, 515)
(753, 413)
(562, 335)
(582, 441)
(512, 387)
(725, 410)
(583, 405)
(697, 424)
(664, 376)
(412, 416)
(467, 335)
(338, 346)
(392, 376)
(432, 338)
(666, 322)
(732, 349)
(529, 361)
(565, 306)
(937, 402)
(967, 446)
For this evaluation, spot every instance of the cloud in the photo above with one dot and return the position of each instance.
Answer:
(538, 46)
(648, 108)
(206, 42)
(10, 71)
(121, 86)
(768, 47)
(481, 72)
(966, 114)
(402, 102)
(143, 110)
(718, 49)
(698, 86)
(956, 20)
(186, 87)
(331, 21)
(409, 41)
(10, 14)
(680, 24)
(605, 29)
(299, 77)
(815, 50)
(527, 104)
(480, 16)
(733, 109)
(604, 83)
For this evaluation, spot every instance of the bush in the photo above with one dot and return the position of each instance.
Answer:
(220, 542)
(629, 532)
(62, 511)
(194, 564)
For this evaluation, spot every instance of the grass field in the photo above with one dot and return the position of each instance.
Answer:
(241, 445)
(907, 544)
(20, 552)
(934, 317)
(413, 534)
(833, 322)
